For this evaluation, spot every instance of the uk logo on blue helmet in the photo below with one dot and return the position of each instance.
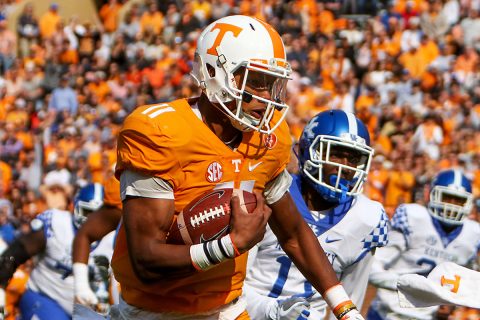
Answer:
(88, 199)
(335, 155)
(451, 198)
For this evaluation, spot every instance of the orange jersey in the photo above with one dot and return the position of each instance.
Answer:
(112, 192)
(169, 141)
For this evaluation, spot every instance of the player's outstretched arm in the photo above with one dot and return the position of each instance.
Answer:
(98, 225)
(302, 246)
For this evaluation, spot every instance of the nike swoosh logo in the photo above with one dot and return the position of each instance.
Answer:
(215, 236)
(251, 168)
(327, 240)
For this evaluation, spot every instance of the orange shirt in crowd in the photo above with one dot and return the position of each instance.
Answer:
(48, 24)
(18, 117)
(204, 7)
(152, 21)
(414, 62)
(476, 183)
(5, 176)
(109, 15)
(376, 185)
(326, 22)
(100, 89)
(399, 189)
(428, 51)
(364, 102)
(69, 56)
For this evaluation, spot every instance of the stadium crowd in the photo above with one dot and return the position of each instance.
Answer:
(409, 69)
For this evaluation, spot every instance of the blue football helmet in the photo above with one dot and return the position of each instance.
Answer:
(446, 185)
(326, 133)
(88, 199)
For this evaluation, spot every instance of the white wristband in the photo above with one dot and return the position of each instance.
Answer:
(80, 274)
(208, 254)
(338, 300)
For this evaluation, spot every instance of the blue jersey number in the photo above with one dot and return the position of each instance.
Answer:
(285, 264)
(424, 261)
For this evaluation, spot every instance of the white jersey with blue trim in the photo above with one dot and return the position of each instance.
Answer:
(417, 243)
(52, 274)
(347, 233)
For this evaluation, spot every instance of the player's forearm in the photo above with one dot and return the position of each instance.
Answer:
(154, 260)
(81, 248)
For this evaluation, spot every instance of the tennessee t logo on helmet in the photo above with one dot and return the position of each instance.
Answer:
(223, 29)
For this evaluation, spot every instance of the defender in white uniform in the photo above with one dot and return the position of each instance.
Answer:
(334, 161)
(423, 237)
(49, 292)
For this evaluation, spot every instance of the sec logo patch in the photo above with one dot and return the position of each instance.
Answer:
(214, 172)
(270, 141)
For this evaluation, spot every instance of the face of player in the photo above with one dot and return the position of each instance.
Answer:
(454, 199)
(258, 84)
(345, 156)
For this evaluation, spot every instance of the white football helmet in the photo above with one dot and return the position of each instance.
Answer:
(235, 42)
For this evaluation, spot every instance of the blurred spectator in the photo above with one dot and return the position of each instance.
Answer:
(56, 189)
(471, 28)
(377, 179)
(219, 9)
(434, 21)
(202, 10)
(27, 29)
(412, 35)
(49, 21)
(399, 185)
(10, 145)
(63, 99)
(451, 11)
(109, 13)
(129, 28)
(7, 231)
(8, 43)
(409, 12)
(388, 15)
(152, 20)
(325, 20)
(428, 137)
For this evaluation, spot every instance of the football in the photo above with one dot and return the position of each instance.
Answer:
(207, 217)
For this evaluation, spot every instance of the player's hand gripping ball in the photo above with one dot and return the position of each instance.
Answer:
(207, 217)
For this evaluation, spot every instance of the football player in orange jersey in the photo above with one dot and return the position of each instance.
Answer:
(234, 136)
(98, 225)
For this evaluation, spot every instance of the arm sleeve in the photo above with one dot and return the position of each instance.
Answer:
(139, 185)
(276, 188)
